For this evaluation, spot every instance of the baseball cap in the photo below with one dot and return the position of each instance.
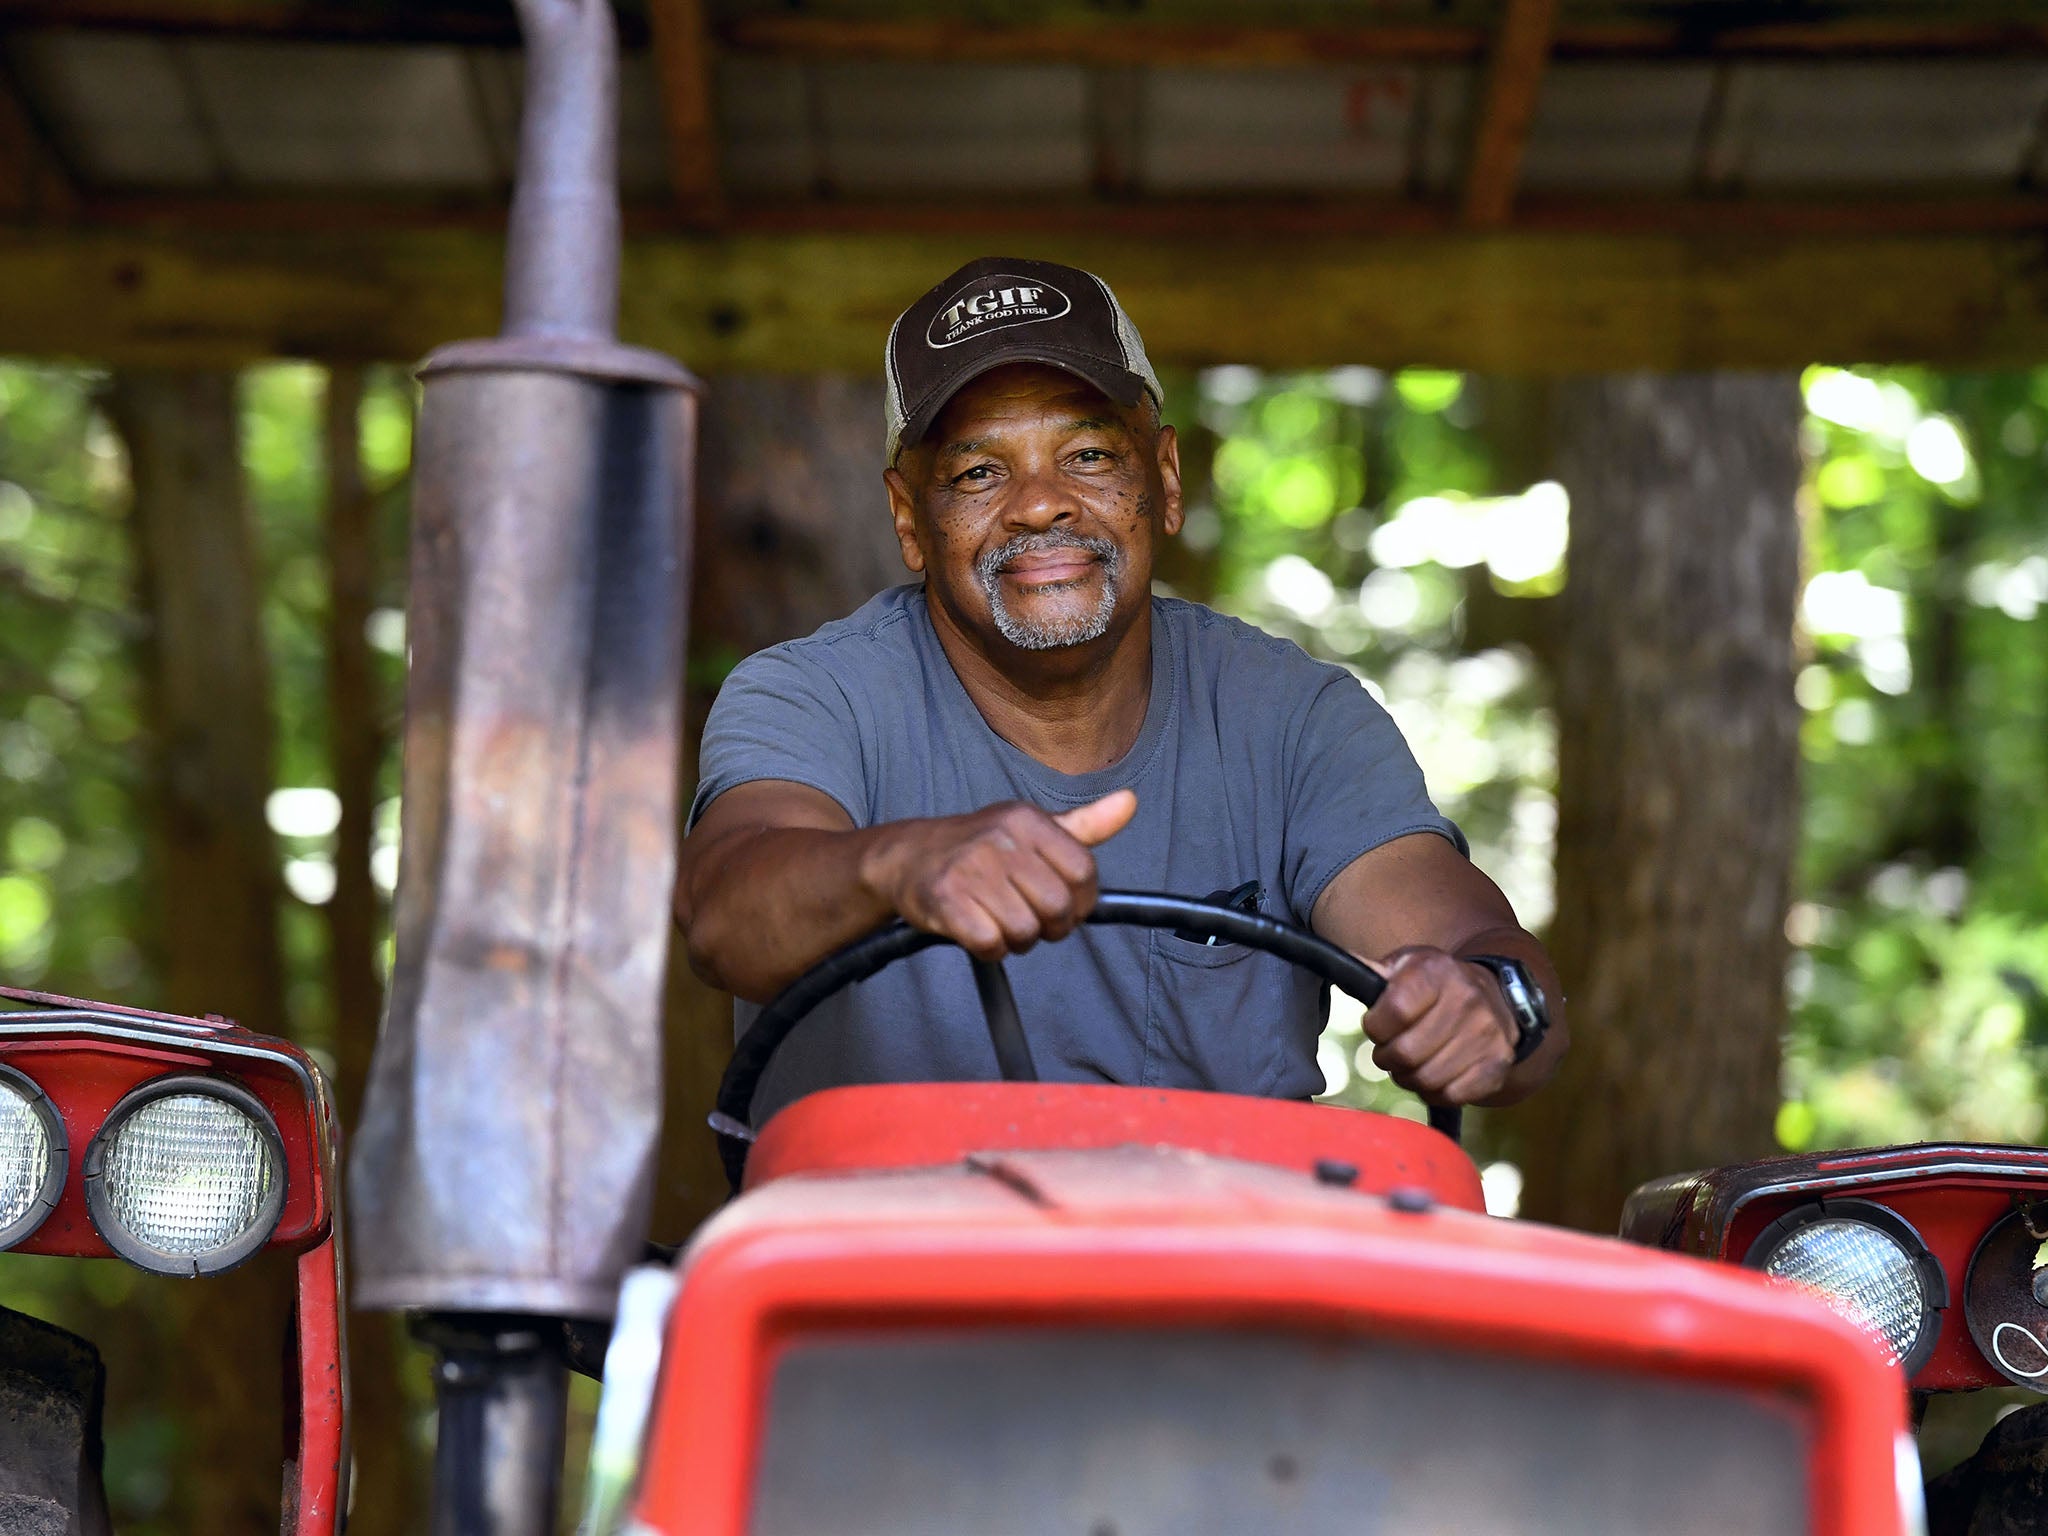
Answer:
(1009, 309)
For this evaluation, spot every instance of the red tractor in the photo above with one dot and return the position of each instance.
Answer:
(1015, 1307)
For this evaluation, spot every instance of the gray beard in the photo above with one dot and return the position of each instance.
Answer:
(1049, 635)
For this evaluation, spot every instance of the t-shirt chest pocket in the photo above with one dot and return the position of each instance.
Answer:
(1188, 947)
(1202, 954)
(1211, 1008)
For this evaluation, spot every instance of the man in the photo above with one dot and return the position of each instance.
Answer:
(979, 753)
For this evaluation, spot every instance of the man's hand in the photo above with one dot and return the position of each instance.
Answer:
(997, 880)
(1442, 1027)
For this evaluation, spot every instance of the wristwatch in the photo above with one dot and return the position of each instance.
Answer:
(1525, 1001)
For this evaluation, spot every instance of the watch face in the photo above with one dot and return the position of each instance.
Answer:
(1521, 995)
(1524, 1000)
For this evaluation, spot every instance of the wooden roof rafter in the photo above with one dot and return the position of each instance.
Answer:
(681, 39)
(1507, 109)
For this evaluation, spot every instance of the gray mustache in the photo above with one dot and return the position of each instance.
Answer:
(995, 561)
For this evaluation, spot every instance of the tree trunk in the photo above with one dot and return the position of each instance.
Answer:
(216, 881)
(792, 530)
(1677, 766)
(355, 741)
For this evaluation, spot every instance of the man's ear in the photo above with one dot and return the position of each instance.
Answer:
(903, 513)
(1167, 446)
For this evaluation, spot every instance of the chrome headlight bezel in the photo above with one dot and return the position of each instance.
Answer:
(57, 1162)
(1932, 1278)
(219, 1260)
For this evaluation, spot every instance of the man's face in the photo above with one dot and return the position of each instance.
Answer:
(1032, 505)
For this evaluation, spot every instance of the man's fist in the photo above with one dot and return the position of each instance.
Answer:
(998, 880)
(1442, 1028)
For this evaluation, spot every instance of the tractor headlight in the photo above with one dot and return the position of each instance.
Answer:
(1868, 1264)
(33, 1155)
(186, 1177)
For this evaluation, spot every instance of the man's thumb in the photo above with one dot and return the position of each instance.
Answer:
(1099, 820)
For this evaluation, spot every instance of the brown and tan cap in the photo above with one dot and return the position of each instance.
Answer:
(1009, 309)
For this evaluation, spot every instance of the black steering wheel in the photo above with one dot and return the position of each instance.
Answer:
(1136, 909)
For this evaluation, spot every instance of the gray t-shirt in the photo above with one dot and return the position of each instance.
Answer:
(1255, 764)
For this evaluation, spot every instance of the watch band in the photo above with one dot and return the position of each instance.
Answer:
(1526, 1004)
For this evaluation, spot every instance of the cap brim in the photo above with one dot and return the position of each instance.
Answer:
(1120, 384)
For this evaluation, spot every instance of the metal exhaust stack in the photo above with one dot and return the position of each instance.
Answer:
(502, 1172)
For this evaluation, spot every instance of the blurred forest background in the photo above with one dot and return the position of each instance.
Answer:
(1401, 524)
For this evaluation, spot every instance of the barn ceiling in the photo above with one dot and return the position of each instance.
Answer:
(1515, 185)
(1401, 113)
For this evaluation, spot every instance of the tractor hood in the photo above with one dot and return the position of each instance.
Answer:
(1039, 1333)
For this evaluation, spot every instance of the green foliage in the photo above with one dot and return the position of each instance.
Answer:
(1922, 935)
(1360, 515)
(1354, 512)
(71, 831)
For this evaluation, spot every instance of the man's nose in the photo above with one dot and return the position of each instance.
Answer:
(1039, 499)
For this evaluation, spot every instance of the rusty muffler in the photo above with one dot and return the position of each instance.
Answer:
(502, 1170)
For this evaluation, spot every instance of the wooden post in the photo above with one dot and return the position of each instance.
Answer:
(1678, 757)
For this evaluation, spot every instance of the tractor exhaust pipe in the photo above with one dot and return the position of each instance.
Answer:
(503, 1165)
(501, 1389)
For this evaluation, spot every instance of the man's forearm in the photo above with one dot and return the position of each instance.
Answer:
(1518, 943)
(763, 905)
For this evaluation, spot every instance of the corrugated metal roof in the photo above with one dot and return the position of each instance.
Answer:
(1268, 130)
(133, 112)
(1884, 123)
(910, 128)
(1602, 129)
(120, 107)
(287, 115)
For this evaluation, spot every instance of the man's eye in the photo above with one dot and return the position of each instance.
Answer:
(979, 472)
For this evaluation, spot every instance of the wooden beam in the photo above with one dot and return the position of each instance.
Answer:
(1507, 108)
(952, 40)
(1514, 303)
(1244, 45)
(683, 64)
(1028, 31)
(1189, 219)
(1932, 35)
(389, 21)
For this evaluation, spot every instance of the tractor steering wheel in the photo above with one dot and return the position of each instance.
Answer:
(1139, 909)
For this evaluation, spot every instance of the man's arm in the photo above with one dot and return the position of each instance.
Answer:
(775, 876)
(1443, 1030)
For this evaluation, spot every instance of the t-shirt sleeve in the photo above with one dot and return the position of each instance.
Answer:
(1353, 785)
(781, 715)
